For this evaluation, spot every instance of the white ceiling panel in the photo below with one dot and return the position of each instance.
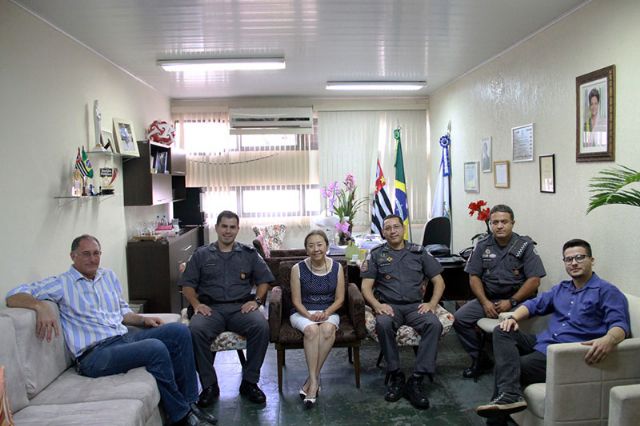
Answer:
(432, 40)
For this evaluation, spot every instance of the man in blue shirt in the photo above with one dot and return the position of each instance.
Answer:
(584, 309)
(93, 316)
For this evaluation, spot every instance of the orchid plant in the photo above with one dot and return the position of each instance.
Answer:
(342, 202)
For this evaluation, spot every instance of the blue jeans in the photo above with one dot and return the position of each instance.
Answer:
(166, 352)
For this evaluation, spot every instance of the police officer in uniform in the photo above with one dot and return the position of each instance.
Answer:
(217, 283)
(397, 270)
(504, 270)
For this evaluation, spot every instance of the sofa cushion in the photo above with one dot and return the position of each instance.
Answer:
(534, 395)
(14, 377)
(70, 387)
(116, 412)
(42, 361)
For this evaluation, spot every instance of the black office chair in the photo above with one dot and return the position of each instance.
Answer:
(437, 231)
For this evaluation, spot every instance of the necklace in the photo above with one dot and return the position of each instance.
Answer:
(323, 268)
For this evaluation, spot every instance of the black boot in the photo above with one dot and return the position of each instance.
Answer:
(479, 366)
(395, 388)
(208, 396)
(415, 393)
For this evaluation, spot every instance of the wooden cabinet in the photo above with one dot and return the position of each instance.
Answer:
(153, 269)
(150, 179)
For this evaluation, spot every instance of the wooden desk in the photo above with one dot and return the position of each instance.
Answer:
(455, 278)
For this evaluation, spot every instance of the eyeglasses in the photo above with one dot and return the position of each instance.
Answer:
(392, 228)
(579, 258)
(89, 254)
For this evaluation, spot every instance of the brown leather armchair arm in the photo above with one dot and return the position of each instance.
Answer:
(275, 314)
(355, 306)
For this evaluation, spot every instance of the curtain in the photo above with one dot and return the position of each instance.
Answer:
(266, 179)
(350, 142)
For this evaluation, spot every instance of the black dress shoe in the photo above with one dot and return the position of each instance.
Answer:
(208, 396)
(203, 415)
(415, 393)
(395, 388)
(191, 419)
(478, 367)
(252, 392)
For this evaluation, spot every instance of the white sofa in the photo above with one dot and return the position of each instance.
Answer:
(578, 394)
(44, 388)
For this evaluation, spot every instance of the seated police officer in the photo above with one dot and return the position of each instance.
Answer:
(217, 283)
(504, 270)
(398, 269)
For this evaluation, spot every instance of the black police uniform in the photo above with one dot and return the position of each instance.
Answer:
(223, 281)
(398, 276)
(503, 270)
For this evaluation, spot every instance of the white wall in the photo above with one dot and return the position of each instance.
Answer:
(48, 84)
(535, 82)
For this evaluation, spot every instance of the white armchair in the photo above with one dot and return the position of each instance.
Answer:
(577, 393)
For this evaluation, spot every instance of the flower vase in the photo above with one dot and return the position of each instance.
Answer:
(343, 237)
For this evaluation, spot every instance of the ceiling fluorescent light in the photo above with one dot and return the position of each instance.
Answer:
(375, 85)
(222, 64)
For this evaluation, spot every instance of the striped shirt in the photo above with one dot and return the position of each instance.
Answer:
(90, 311)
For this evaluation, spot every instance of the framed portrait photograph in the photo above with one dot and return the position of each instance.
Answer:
(471, 176)
(547, 165)
(501, 174)
(522, 143)
(125, 138)
(485, 156)
(595, 115)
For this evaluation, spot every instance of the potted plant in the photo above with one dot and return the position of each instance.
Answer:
(611, 186)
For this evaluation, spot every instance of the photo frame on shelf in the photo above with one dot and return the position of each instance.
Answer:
(161, 162)
(595, 115)
(472, 176)
(485, 156)
(501, 174)
(125, 138)
(547, 165)
(522, 143)
(106, 140)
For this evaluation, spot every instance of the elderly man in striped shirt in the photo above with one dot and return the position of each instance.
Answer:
(93, 316)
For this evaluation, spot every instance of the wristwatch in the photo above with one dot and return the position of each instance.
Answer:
(514, 302)
(258, 301)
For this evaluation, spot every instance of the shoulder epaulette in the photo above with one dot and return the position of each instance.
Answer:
(415, 248)
(520, 245)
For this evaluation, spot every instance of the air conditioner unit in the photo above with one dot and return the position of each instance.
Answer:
(270, 120)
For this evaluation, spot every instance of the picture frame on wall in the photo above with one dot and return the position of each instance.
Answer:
(595, 115)
(547, 165)
(472, 176)
(522, 143)
(485, 156)
(501, 174)
(125, 138)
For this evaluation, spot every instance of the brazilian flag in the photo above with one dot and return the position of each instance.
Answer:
(83, 164)
(401, 207)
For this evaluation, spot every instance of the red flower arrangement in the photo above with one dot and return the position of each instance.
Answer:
(483, 212)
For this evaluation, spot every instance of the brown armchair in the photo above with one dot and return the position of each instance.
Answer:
(352, 325)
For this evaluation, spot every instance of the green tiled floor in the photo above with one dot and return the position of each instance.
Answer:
(340, 402)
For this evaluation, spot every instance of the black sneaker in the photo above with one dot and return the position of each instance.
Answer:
(415, 393)
(209, 395)
(252, 392)
(504, 403)
(395, 388)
